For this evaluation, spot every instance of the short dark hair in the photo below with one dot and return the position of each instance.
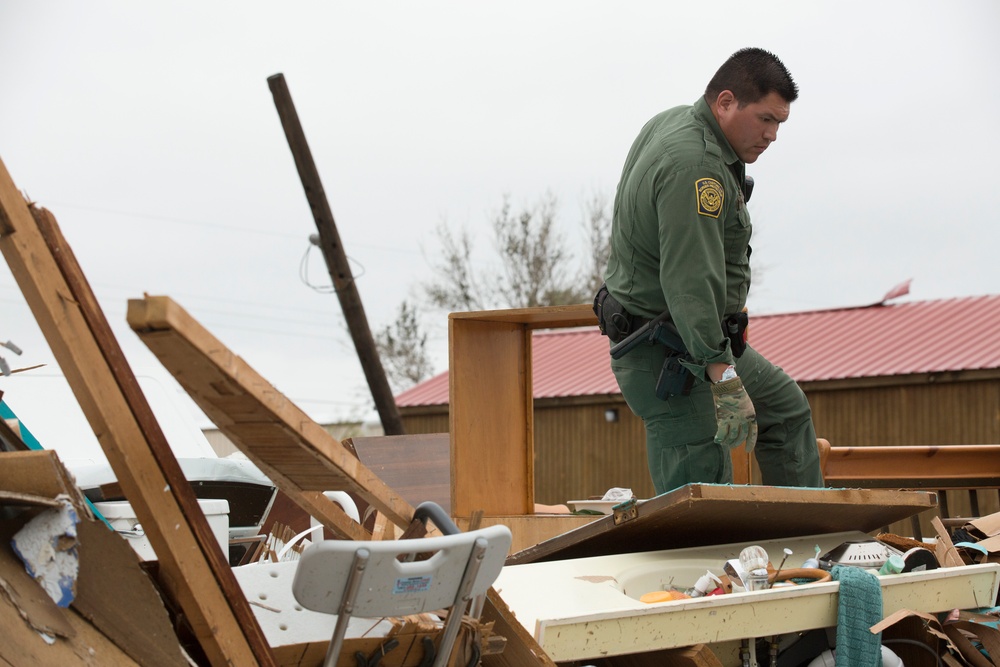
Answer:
(752, 74)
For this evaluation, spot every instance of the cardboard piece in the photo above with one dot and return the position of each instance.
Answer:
(987, 526)
(986, 530)
(945, 551)
(115, 598)
(23, 645)
(116, 595)
(39, 473)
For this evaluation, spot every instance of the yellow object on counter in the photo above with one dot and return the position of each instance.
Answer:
(663, 596)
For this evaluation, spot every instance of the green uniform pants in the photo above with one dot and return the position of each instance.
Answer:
(680, 431)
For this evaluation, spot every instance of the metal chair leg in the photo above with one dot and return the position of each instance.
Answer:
(346, 608)
(454, 621)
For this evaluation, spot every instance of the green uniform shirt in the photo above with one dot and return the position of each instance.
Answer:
(680, 238)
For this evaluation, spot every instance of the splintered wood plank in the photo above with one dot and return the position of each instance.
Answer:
(192, 566)
(522, 650)
(298, 454)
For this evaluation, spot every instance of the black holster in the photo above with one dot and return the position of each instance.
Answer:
(613, 320)
(617, 324)
(674, 379)
(735, 329)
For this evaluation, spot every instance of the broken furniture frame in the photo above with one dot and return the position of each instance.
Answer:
(491, 418)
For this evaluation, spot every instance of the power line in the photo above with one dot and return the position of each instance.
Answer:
(218, 225)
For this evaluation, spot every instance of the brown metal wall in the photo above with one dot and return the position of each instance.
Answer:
(580, 454)
(426, 423)
(955, 413)
(939, 413)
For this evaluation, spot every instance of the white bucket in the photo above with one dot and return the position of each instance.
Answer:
(122, 518)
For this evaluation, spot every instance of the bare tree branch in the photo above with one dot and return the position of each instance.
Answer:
(403, 348)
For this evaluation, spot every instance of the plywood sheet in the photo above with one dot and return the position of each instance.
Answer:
(703, 514)
(417, 467)
(490, 418)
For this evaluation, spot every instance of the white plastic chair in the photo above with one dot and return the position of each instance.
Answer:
(369, 579)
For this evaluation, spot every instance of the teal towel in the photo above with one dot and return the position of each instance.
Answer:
(860, 607)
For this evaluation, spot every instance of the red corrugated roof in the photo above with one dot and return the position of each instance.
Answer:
(878, 341)
(873, 341)
(428, 392)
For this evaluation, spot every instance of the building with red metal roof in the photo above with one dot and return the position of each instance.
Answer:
(878, 341)
(917, 373)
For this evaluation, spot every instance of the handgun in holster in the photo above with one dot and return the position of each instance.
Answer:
(674, 378)
(735, 328)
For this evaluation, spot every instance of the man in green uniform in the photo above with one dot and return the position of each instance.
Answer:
(680, 245)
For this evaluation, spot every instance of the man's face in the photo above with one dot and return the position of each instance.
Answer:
(751, 129)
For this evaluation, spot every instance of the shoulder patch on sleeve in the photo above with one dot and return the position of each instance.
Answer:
(710, 197)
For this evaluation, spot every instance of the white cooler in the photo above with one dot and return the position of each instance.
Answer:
(121, 516)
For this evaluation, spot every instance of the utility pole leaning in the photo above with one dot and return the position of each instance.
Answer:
(336, 259)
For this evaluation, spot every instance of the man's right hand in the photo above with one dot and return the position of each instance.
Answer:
(735, 414)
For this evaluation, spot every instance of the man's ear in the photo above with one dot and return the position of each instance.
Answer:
(725, 102)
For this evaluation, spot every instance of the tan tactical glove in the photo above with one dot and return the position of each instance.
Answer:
(735, 414)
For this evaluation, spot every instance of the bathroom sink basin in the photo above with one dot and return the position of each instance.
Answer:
(584, 608)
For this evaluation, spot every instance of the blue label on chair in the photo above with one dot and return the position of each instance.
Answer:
(411, 585)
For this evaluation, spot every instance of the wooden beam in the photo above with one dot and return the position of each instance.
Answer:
(297, 454)
(951, 466)
(192, 566)
(547, 317)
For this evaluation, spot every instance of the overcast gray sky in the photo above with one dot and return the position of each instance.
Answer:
(148, 129)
